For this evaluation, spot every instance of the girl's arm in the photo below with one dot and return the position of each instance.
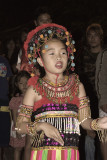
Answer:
(14, 115)
(86, 123)
(23, 119)
(26, 127)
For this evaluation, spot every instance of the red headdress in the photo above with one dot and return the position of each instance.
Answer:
(39, 36)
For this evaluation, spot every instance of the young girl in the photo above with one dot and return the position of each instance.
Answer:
(57, 102)
(17, 141)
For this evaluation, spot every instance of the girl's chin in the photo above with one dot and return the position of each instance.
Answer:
(56, 71)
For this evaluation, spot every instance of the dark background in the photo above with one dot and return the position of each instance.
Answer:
(76, 15)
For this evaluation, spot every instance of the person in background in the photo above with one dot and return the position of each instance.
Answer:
(5, 119)
(41, 16)
(2, 48)
(86, 70)
(101, 88)
(11, 53)
(17, 141)
(23, 35)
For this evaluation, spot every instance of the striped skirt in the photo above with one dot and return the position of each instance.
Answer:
(68, 154)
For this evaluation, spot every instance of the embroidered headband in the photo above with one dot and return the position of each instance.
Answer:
(42, 34)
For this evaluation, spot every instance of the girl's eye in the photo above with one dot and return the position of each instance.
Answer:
(63, 53)
(51, 53)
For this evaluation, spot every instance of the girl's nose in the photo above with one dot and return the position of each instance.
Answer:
(58, 57)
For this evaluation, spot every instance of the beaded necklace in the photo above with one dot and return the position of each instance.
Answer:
(58, 94)
(58, 84)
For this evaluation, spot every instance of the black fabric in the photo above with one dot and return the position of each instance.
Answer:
(54, 107)
(4, 128)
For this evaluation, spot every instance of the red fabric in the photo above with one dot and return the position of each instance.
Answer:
(33, 82)
(62, 155)
(15, 102)
(23, 58)
(15, 142)
(49, 154)
(24, 63)
(46, 101)
(26, 67)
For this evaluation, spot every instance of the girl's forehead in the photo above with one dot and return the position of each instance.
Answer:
(54, 41)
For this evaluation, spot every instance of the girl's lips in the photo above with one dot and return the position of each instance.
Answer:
(59, 65)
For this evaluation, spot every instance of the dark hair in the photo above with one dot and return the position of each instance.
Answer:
(13, 59)
(42, 10)
(17, 78)
(6, 42)
(24, 30)
(9, 39)
(96, 28)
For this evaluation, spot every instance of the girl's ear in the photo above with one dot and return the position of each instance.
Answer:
(40, 61)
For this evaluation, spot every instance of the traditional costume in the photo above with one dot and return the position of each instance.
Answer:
(59, 105)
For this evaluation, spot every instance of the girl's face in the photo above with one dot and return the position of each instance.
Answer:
(22, 84)
(55, 58)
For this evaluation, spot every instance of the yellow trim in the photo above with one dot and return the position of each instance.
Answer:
(56, 84)
(4, 109)
(55, 147)
(54, 115)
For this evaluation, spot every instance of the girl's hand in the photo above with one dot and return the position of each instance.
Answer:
(21, 128)
(50, 131)
(102, 123)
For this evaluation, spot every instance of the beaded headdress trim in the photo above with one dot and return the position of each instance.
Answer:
(42, 34)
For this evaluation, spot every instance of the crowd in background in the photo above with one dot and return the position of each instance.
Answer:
(11, 54)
